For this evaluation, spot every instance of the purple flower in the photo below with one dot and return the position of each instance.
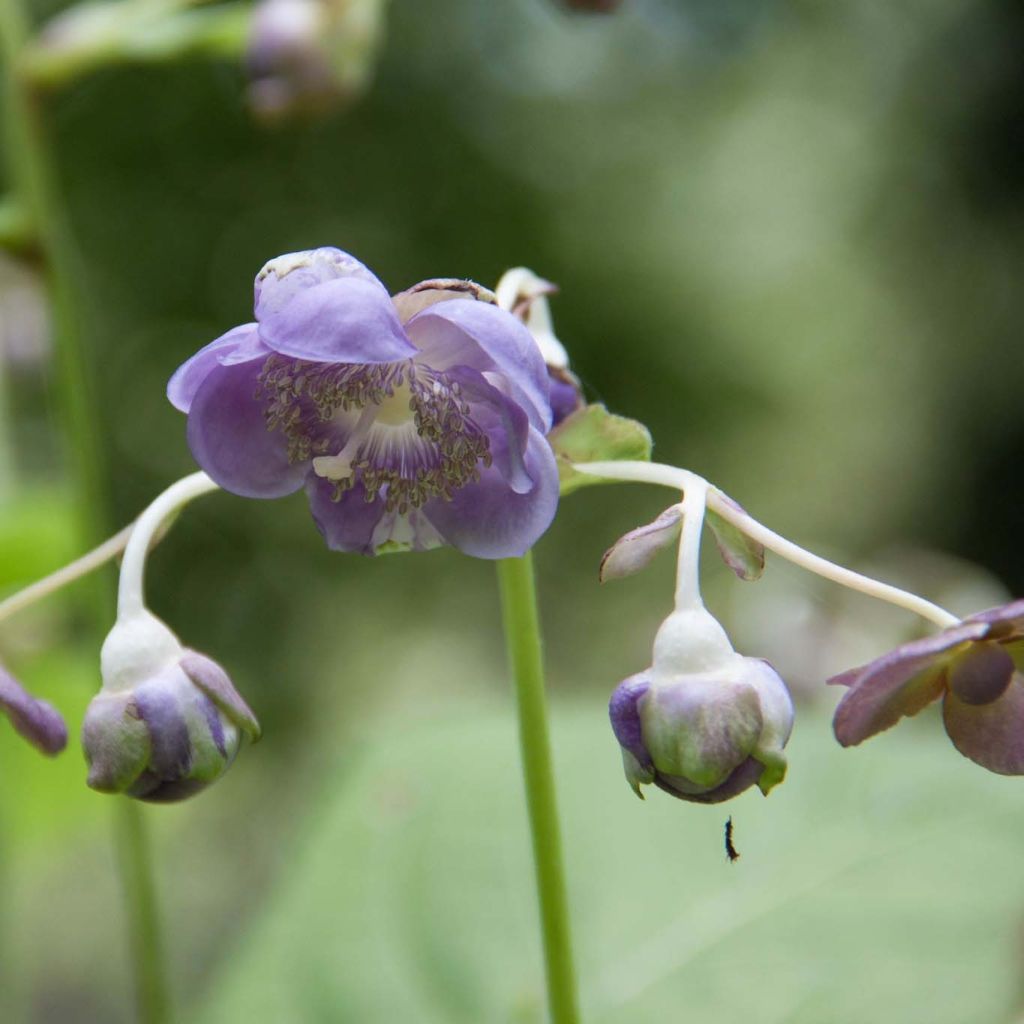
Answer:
(168, 720)
(411, 422)
(34, 719)
(973, 666)
(703, 723)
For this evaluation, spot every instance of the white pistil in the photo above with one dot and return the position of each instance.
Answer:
(681, 480)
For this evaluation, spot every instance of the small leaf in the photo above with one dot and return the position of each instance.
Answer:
(593, 434)
(636, 550)
(744, 556)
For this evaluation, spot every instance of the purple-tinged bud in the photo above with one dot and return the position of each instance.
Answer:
(307, 56)
(703, 723)
(168, 720)
(39, 722)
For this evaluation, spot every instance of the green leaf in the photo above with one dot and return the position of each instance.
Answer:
(744, 556)
(874, 884)
(593, 434)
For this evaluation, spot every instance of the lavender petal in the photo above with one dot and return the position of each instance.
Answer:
(348, 524)
(487, 519)
(282, 278)
(346, 320)
(36, 720)
(239, 345)
(229, 438)
(991, 735)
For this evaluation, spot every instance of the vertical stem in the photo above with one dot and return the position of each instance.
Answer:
(32, 178)
(143, 920)
(522, 638)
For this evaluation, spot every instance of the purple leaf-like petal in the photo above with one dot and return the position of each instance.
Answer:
(742, 777)
(217, 685)
(487, 519)
(346, 320)
(898, 684)
(981, 674)
(229, 438)
(505, 416)
(625, 717)
(636, 550)
(744, 556)
(34, 719)
(239, 345)
(991, 735)
(348, 524)
(1004, 621)
(477, 334)
(281, 279)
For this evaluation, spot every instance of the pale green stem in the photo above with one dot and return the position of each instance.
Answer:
(721, 505)
(522, 638)
(688, 568)
(33, 179)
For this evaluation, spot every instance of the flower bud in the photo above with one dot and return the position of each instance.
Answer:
(34, 719)
(703, 723)
(168, 720)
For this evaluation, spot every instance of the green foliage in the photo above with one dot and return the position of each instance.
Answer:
(873, 885)
(593, 434)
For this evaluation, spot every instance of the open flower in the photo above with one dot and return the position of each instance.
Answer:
(972, 666)
(35, 719)
(412, 422)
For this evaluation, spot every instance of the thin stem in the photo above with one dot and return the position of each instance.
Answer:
(109, 549)
(522, 638)
(130, 596)
(688, 568)
(144, 933)
(680, 479)
(34, 182)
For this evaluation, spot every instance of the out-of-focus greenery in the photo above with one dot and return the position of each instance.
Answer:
(788, 238)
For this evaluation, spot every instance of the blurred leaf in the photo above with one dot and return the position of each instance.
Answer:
(37, 533)
(593, 434)
(744, 556)
(881, 884)
(17, 234)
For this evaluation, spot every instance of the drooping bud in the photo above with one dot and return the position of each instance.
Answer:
(36, 720)
(307, 56)
(168, 720)
(703, 723)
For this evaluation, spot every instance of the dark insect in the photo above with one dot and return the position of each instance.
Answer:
(730, 850)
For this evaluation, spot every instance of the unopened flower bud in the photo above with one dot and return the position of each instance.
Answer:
(703, 723)
(168, 720)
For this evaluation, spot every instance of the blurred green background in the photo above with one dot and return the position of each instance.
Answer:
(788, 238)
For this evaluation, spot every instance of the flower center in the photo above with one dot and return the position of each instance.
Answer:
(401, 430)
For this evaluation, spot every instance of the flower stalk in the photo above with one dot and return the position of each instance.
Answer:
(681, 479)
(522, 638)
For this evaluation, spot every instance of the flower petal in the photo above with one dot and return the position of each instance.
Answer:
(506, 425)
(625, 717)
(991, 735)
(346, 320)
(348, 524)
(228, 435)
(898, 684)
(216, 684)
(742, 777)
(486, 338)
(239, 345)
(283, 277)
(487, 519)
(36, 720)
(427, 293)
(1004, 621)
(636, 550)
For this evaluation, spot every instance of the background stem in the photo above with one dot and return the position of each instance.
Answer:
(33, 181)
(522, 638)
